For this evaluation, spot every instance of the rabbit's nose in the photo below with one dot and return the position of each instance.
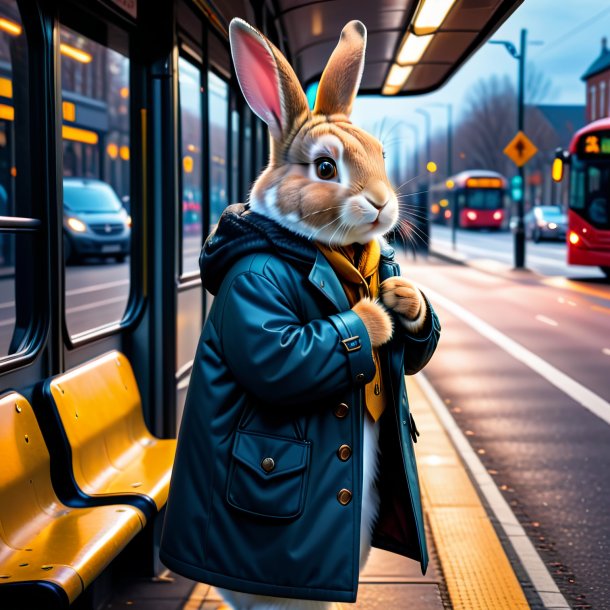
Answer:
(376, 193)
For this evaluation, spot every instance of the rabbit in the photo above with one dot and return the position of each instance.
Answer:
(326, 182)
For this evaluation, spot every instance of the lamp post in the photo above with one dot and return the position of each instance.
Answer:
(428, 119)
(520, 57)
(454, 210)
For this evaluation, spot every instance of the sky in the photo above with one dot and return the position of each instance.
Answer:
(571, 33)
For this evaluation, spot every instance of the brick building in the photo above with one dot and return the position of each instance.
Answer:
(597, 79)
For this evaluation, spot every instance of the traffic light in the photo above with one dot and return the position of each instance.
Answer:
(516, 188)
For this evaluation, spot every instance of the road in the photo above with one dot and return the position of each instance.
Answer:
(522, 410)
(546, 257)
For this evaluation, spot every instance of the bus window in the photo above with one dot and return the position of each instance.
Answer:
(96, 181)
(191, 129)
(219, 113)
(484, 199)
(590, 184)
(16, 249)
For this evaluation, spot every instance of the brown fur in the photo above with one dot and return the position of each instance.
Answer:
(402, 297)
(376, 319)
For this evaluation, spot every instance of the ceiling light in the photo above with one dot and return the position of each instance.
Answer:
(413, 48)
(431, 15)
(397, 78)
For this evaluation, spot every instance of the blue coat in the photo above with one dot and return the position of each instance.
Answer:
(273, 378)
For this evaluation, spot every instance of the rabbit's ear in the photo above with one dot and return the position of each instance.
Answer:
(341, 77)
(267, 80)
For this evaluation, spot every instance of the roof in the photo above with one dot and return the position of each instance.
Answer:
(601, 125)
(601, 64)
(308, 31)
(564, 120)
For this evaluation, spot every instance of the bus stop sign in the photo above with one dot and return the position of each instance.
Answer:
(520, 149)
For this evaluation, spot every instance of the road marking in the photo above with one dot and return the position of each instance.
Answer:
(537, 572)
(606, 351)
(7, 304)
(96, 287)
(546, 320)
(96, 304)
(575, 390)
(9, 322)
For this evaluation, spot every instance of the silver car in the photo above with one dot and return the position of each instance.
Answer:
(546, 222)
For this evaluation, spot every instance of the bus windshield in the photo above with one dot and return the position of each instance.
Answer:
(90, 196)
(590, 191)
(484, 199)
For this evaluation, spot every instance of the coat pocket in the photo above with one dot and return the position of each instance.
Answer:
(268, 475)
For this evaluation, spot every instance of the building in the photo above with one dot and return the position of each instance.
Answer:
(597, 79)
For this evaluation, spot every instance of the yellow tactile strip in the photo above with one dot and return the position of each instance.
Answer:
(476, 569)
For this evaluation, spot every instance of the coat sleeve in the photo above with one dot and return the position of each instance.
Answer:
(281, 360)
(419, 347)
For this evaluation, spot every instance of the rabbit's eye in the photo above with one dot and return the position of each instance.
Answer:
(326, 168)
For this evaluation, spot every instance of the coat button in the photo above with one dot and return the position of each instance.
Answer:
(268, 464)
(344, 497)
(360, 377)
(344, 453)
(341, 410)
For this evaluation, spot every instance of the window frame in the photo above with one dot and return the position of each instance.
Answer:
(88, 24)
(198, 59)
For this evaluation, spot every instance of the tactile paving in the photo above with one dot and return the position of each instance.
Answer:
(476, 569)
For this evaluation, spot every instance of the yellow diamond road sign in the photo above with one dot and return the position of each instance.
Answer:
(520, 149)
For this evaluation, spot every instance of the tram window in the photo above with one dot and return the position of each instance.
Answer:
(191, 128)
(219, 113)
(96, 183)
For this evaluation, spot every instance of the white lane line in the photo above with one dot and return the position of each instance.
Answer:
(9, 322)
(575, 390)
(546, 320)
(7, 305)
(537, 572)
(606, 351)
(96, 287)
(96, 304)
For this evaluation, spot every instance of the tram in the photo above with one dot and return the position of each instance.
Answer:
(477, 196)
(588, 235)
(140, 99)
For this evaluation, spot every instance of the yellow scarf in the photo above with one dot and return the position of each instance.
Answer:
(359, 282)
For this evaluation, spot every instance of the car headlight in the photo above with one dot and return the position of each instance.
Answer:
(77, 225)
(128, 221)
(552, 225)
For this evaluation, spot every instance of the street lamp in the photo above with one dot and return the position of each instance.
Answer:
(428, 119)
(520, 57)
(454, 213)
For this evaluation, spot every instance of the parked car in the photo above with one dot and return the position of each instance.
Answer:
(543, 222)
(95, 221)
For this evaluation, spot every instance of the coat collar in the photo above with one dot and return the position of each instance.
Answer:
(323, 277)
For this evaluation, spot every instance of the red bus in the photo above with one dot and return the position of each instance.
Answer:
(478, 196)
(588, 234)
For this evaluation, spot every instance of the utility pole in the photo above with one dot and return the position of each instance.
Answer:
(520, 231)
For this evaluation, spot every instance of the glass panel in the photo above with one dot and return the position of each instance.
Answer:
(219, 112)
(235, 194)
(590, 188)
(191, 128)
(484, 199)
(97, 225)
(14, 137)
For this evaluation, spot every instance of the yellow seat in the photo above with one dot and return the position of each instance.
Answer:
(113, 453)
(46, 547)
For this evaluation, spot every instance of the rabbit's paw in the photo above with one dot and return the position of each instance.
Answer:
(376, 319)
(402, 297)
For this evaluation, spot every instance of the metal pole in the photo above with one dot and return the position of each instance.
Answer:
(520, 230)
(454, 207)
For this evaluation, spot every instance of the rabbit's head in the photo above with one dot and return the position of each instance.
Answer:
(326, 178)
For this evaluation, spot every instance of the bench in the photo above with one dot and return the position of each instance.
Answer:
(109, 456)
(49, 552)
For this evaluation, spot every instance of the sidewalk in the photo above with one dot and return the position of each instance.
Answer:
(468, 569)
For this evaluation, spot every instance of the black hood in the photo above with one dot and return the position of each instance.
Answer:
(240, 232)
